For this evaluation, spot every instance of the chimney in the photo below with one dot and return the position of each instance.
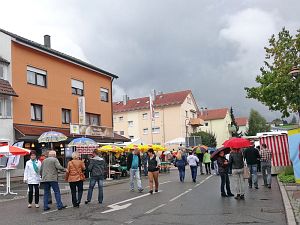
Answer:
(47, 42)
(153, 94)
(125, 99)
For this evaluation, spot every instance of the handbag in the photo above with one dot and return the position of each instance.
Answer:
(81, 174)
(246, 173)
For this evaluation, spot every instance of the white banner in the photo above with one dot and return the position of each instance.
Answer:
(81, 110)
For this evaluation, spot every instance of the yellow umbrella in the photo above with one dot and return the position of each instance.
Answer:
(134, 146)
(109, 149)
(157, 148)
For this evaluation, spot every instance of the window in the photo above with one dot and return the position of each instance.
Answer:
(156, 114)
(114, 119)
(189, 101)
(145, 131)
(131, 136)
(36, 112)
(66, 116)
(122, 132)
(186, 114)
(92, 119)
(130, 123)
(36, 76)
(5, 107)
(77, 87)
(155, 130)
(104, 94)
(3, 69)
(121, 118)
(145, 116)
(206, 124)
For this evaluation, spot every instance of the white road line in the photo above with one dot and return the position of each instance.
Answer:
(55, 210)
(152, 210)
(166, 182)
(129, 222)
(197, 185)
(178, 196)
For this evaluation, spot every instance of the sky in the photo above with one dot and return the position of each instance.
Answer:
(214, 48)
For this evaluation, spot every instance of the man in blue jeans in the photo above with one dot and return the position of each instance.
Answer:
(49, 173)
(252, 156)
(193, 162)
(134, 167)
(97, 168)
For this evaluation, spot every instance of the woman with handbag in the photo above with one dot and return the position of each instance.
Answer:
(75, 177)
(180, 163)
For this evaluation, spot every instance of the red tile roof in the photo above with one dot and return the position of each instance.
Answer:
(241, 121)
(6, 88)
(174, 98)
(213, 114)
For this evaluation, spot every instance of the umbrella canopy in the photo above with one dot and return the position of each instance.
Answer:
(110, 148)
(237, 143)
(157, 148)
(82, 142)
(13, 150)
(176, 141)
(52, 136)
(134, 146)
(215, 155)
(167, 152)
(200, 149)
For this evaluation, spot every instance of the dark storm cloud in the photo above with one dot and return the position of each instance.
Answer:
(214, 48)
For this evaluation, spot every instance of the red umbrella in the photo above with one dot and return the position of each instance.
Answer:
(237, 143)
(215, 155)
(13, 150)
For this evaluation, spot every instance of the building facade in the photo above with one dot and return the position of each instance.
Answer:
(243, 124)
(174, 115)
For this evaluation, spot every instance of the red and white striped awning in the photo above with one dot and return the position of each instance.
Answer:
(279, 146)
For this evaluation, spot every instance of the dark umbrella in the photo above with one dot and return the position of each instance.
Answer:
(215, 155)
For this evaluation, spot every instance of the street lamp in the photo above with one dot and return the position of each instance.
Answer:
(187, 122)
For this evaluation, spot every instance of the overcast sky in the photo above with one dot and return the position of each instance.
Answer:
(214, 48)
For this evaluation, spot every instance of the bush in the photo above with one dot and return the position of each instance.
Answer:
(287, 176)
(288, 171)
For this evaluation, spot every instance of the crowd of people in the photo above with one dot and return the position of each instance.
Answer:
(43, 172)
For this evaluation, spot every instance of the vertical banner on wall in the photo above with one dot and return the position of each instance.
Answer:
(81, 110)
(294, 147)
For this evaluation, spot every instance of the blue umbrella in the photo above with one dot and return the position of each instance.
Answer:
(82, 142)
(52, 136)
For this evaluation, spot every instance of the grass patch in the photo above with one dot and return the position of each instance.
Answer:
(287, 176)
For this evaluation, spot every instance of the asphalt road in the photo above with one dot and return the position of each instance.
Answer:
(176, 203)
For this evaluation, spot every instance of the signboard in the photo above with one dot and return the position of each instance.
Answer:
(81, 109)
(294, 147)
(91, 130)
(85, 150)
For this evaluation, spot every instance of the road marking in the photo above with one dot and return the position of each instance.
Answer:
(178, 196)
(116, 208)
(166, 182)
(129, 222)
(197, 185)
(55, 210)
(152, 210)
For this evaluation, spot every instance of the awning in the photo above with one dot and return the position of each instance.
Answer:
(31, 133)
(6, 88)
(2, 60)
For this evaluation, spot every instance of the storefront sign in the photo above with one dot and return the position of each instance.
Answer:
(81, 109)
(90, 130)
(294, 148)
(85, 150)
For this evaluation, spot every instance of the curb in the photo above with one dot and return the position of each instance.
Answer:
(290, 217)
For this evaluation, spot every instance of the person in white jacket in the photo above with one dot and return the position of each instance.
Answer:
(32, 178)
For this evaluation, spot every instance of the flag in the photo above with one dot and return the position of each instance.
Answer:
(151, 108)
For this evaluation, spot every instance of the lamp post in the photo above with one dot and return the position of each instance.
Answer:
(187, 122)
(295, 73)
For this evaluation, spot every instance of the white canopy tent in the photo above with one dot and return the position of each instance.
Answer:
(176, 141)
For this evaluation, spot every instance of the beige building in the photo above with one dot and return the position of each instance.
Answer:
(218, 122)
(243, 124)
(174, 116)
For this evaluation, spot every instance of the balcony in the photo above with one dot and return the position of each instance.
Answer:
(196, 122)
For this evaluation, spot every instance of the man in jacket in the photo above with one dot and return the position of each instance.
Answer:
(49, 173)
(134, 167)
(252, 156)
(97, 168)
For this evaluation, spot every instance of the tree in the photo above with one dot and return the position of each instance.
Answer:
(207, 138)
(294, 120)
(235, 133)
(257, 123)
(277, 122)
(277, 89)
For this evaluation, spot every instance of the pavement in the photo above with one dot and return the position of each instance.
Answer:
(176, 203)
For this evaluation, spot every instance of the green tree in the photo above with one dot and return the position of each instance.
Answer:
(257, 123)
(294, 120)
(277, 122)
(277, 89)
(235, 133)
(207, 139)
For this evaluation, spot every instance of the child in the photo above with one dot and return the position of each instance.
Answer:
(207, 161)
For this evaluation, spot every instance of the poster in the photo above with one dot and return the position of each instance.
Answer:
(294, 148)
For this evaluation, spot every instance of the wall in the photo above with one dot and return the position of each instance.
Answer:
(58, 93)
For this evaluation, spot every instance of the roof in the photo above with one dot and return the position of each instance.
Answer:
(33, 132)
(213, 114)
(168, 99)
(57, 53)
(2, 60)
(241, 121)
(6, 88)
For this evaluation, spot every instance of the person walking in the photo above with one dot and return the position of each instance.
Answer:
(49, 173)
(32, 178)
(180, 163)
(97, 168)
(75, 176)
(200, 155)
(252, 157)
(266, 159)
(134, 168)
(207, 161)
(145, 161)
(237, 162)
(223, 166)
(193, 162)
(153, 170)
